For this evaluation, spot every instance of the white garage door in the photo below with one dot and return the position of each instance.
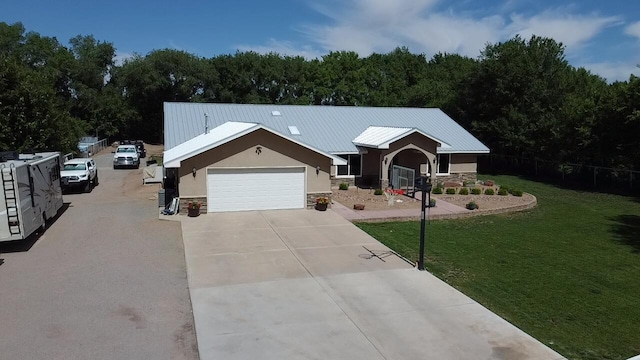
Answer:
(255, 189)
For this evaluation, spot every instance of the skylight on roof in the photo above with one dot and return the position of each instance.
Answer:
(294, 130)
(275, 113)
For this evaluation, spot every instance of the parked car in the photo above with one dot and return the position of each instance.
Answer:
(79, 173)
(127, 156)
(140, 147)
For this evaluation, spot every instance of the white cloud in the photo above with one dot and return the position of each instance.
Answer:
(446, 33)
(571, 30)
(367, 26)
(613, 71)
(633, 30)
(121, 57)
(282, 48)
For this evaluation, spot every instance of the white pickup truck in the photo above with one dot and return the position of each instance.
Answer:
(81, 173)
(126, 155)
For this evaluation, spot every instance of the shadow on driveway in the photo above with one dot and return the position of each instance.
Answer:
(26, 244)
(626, 229)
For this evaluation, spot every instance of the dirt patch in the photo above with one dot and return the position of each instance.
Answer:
(379, 202)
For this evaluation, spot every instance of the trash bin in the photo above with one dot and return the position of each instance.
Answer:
(161, 198)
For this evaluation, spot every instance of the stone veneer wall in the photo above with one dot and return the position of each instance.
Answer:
(461, 177)
(336, 182)
(311, 199)
(311, 202)
(184, 202)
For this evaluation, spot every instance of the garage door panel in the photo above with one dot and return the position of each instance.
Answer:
(255, 189)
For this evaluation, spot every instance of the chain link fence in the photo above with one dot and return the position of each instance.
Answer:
(575, 175)
(90, 146)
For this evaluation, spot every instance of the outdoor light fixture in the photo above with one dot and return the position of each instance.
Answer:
(193, 171)
(318, 170)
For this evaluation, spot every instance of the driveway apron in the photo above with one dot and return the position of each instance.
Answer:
(301, 284)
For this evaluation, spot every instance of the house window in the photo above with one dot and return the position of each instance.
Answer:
(444, 164)
(353, 167)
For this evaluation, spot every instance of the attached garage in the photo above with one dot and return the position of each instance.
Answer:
(247, 166)
(245, 189)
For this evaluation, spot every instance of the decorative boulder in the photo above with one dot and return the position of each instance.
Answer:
(358, 206)
(452, 184)
(489, 183)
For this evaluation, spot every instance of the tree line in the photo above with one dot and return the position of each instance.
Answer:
(520, 97)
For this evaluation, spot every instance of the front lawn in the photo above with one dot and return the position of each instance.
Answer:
(567, 272)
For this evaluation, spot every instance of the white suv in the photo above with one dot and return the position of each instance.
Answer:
(79, 173)
(126, 155)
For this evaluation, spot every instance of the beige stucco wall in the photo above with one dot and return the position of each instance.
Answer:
(427, 146)
(275, 152)
(464, 163)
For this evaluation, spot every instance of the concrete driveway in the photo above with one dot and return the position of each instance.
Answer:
(305, 284)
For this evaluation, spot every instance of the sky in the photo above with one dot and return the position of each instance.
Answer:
(602, 36)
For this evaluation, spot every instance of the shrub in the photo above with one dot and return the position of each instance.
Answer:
(516, 192)
(472, 205)
(476, 191)
(464, 191)
(437, 190)
(506, 188)
(451, 191)
(378, 192)
(503, 192)
(343, 186)
(432, 202)
(489, 191)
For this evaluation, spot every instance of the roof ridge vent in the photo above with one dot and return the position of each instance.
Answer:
(276, 113)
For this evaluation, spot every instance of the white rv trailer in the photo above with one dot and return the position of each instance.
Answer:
(30, 194)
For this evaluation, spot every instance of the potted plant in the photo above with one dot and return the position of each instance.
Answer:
(322, 203)
(472, 205)
(193, 208)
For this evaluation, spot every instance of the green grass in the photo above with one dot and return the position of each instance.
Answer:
(566, 272)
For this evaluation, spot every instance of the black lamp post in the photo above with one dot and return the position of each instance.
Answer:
(425, 185)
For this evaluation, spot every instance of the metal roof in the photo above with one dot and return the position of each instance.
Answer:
(328, 128)
(380, 137)
(204, 142)
(222, 134)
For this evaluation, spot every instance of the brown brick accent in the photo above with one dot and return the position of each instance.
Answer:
(184, 201)
(336, 182)
(311, 199)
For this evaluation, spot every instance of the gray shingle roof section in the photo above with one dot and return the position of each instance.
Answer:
(329, 128)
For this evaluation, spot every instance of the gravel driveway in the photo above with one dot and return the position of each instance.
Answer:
(107, 280)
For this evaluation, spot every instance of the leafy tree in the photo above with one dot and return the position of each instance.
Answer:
(34, 77)
(91, 72)
(147, 82)
(517, 94)
(339, 80)
(444, 80)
